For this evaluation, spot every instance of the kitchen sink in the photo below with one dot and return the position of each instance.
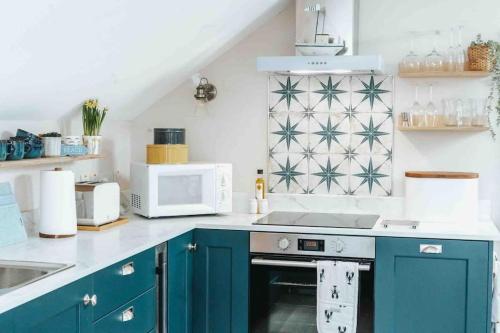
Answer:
(16, 274)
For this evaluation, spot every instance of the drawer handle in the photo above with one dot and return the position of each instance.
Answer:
(92, 300)
(192, 247)
(128, 269)
(128, 314)
(431, 248)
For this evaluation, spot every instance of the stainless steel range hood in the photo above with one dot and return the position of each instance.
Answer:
(326, 42)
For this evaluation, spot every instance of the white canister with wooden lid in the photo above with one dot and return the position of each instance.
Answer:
(448, 197)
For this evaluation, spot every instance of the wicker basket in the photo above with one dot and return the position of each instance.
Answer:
(480, 58)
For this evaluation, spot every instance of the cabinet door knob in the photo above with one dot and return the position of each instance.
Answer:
(128, 314)
(92, 300)
(192, 247)
(128, 269)
(431, 248)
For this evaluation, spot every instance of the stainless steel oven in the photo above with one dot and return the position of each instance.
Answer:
(283, 279)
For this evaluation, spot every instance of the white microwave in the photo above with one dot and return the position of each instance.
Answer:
(159, 190)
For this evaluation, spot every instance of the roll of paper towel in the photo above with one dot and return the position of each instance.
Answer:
(57, 204)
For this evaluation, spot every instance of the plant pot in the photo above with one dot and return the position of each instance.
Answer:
(52, 146)
(93, 144)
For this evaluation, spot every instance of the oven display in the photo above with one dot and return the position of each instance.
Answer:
(317, 245)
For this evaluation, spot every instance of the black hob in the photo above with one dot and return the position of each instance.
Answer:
(323, 220)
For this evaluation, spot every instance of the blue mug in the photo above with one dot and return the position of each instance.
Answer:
(17, 150)
(5, 147)
(33, 143)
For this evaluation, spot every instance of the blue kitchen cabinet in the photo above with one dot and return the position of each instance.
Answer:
(6, 324)
(208, 276)
(221, 281)
(62, 310)
(432, 286)
(179, 281)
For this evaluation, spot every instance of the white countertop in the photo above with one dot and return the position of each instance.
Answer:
(92, 251)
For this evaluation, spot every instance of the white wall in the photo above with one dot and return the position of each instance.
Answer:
(235, 127)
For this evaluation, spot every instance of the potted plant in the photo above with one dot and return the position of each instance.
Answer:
(93, 117)
(52, 144)
(493, 102)
(485, 56)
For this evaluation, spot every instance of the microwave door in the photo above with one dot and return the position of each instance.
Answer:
(183, 192)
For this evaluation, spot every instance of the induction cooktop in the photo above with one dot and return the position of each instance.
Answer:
(323, 220)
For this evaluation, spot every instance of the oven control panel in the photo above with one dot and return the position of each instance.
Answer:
(310, 244)
(313, 245)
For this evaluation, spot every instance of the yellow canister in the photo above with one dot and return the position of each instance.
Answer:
(167, 154)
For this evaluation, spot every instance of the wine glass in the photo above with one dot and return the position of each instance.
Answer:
(460, 52)
(411, 63)
(434, 61)
(416, 112)
(431, 111)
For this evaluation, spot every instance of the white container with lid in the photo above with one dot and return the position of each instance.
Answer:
(447, 197)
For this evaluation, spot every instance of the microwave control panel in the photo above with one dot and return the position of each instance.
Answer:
(224, 187)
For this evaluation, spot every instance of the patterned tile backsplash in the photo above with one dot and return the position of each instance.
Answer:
(331, 134)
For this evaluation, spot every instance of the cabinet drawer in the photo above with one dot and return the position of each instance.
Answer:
(137, 316)
(123, 281)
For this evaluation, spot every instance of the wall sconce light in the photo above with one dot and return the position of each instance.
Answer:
(205, 91)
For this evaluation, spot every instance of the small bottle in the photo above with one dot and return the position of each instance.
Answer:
(253, 207)
(260, 185)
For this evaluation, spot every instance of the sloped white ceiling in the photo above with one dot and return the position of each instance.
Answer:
(128, 53)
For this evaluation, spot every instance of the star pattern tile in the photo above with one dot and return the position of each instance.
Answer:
(370, 175)
(330, 91)
(329, 133)
(372, 91)
(329, 174)
(288, 132)
(340, 141)
(288, 92)
(288, 173)
(371, 133)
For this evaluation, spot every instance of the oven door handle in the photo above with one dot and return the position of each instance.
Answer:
(364, 267)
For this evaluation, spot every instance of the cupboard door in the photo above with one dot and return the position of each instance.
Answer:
(180, 284)
(432, 286)
(62, 310)
(221, 281)
(6, 324)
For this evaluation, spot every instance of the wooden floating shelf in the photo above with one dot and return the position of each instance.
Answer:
(444, 129)
(465, 74)
(47, 160)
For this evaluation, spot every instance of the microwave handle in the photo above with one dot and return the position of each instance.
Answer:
(363, 267)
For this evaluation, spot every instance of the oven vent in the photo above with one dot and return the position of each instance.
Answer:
(136, 201)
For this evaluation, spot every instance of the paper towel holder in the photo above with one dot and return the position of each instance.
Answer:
(57, 208)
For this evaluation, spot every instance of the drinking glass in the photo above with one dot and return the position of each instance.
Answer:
(449, 112)
(460, 58)
(431, 118)
(417, 113)
(480, 114)
(450, 57)
(434, 61)
(469, 110)
(459, 112)
(411, 63)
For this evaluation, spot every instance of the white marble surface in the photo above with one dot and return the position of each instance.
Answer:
(92, 251)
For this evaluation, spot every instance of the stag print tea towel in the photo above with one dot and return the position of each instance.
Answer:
(337, 296)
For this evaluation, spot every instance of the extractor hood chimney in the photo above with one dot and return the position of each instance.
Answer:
(326, 35)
